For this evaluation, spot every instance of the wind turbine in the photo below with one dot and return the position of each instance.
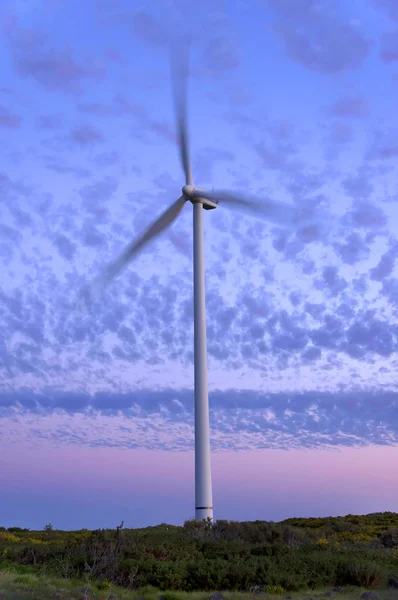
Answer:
(201, 200)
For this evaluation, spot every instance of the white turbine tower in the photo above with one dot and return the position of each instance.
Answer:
(201, 199)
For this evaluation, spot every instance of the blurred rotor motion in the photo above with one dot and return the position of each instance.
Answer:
(276, 212)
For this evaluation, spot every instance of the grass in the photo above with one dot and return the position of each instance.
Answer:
(16, 586)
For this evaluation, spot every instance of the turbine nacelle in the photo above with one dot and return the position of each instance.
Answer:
(194, 195)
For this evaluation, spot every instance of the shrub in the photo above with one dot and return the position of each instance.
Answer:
(38, 542)
(170, 596)
(103, 585)
(389, 538)
(322, 541)
(362, 574)
(276, 590)
(9, 537)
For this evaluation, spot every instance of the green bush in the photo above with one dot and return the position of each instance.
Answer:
(362, 574)
(276, 590)
(103, 585)
(170, 596)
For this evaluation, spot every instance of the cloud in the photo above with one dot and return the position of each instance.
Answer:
(387, 6)
(383, 147)
(218, 47)
(358, 186)
(350, 107)
(302, 183)
(97, 193)
(107, 159)
(114, 56)
(50, 121)
(10, 233)
(143, 123)
(91, 236)
(359, 334)
(309, 308)
(119, 107)
(317, 37)
(86, 135)
(390, 290)
(385, 266)
(220, 55)
(353, 249)
(389, 47)
(331, 281)
(52, 68)
(9, 119)
(155, 321)
(162, 130)
(148, 29)
(239, 419)
(276, 157)
(66, 248)
(341, 133)
(235, 96)
(10, 188)
(207, 159)
(368, 216)
(64, 169)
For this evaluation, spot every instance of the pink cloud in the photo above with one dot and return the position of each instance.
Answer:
(53, 68)
(86, 135)
(118, 107)
(341, 132)
(353, 107)
(147, 28)
(9, 119)
(320, 40)
(163, 130)
(389, 7)
(50, 121)
(114, 56)
(56, 69)
(389, 47)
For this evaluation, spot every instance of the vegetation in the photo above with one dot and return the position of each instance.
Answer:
(278, 558)
(39, 587)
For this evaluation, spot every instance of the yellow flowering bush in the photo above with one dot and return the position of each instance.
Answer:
(8, 537)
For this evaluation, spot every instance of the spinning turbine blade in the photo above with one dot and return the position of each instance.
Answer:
(162, 223)
(179, 73)
(278, 212)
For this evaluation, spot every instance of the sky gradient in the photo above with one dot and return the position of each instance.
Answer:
(293, 100)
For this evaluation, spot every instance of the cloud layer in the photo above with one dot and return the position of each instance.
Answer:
(302, 322)
(163, 420)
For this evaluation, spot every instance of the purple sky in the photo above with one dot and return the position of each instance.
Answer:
(293, 100)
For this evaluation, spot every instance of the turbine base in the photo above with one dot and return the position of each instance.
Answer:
(203, 513)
